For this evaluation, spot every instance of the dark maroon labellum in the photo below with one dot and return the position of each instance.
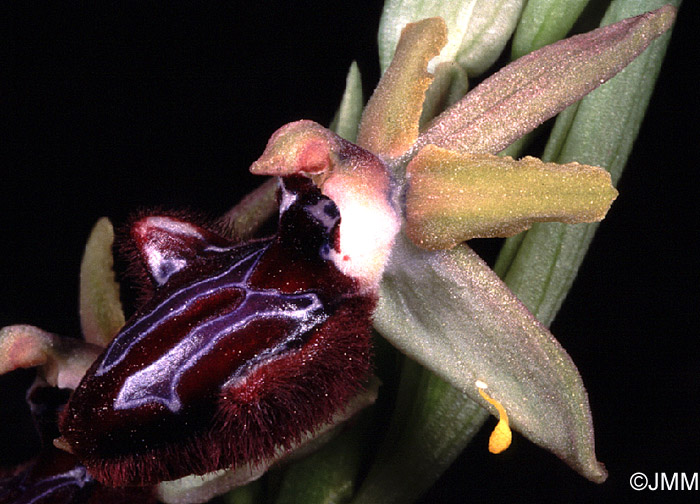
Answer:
(239, 350)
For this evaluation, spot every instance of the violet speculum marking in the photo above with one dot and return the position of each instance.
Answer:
(158, 381)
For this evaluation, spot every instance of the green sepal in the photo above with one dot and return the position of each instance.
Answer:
(450, 312)
(534, 88)
(101, 313)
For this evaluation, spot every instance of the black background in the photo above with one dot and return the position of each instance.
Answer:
(113, 108)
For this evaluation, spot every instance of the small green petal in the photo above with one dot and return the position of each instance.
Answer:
(477, 29)
(451, 313)
(347, 118)
(101, 314)
(390, 121)
(454, 197)
(544, 22)
(534, 88)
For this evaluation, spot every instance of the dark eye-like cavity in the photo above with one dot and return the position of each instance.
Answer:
(240, 350)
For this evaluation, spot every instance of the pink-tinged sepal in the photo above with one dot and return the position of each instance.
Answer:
(239, 352)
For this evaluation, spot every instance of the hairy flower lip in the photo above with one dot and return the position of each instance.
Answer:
(198, 489)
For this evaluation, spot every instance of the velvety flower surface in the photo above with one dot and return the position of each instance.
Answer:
(245, 352)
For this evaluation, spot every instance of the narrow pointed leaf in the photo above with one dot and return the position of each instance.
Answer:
(452, 314)
(477, 30)
(455, 197)
(544, 22)
(540, 265)
(539, 85)
(347, 118)
(390, 121)
(101, 314)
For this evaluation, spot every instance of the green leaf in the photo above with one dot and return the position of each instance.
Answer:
(477, 29)
(540, 265)
(101, 314)
(347, 118)
(248, 494)
(450, 312)
(539, 85)
(544, 22)
(432, 423)
(328, 475)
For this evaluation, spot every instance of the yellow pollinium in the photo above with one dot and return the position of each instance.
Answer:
(501, 436)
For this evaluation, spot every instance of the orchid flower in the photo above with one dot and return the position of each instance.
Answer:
(247, 352)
